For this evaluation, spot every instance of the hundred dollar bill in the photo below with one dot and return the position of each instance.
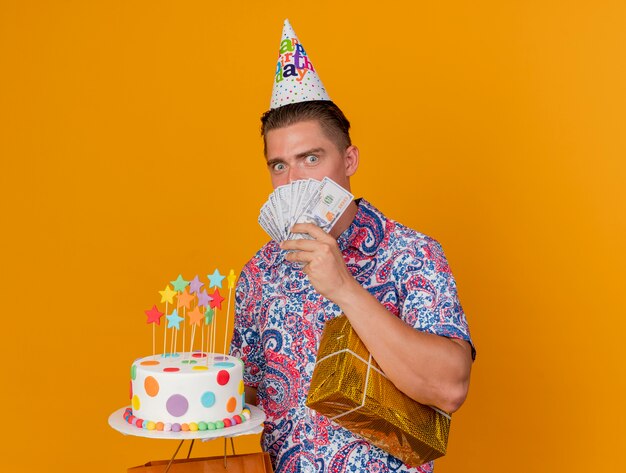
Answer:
(280, 200)
(306, 189)
(269, 212)
(266, 221)
(325, 207)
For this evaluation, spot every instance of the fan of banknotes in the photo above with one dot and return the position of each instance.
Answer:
(303, 201)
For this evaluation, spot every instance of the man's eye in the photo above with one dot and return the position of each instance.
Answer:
(278, 167)
(311, 159)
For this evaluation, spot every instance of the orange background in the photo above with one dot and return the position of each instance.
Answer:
(130, 153)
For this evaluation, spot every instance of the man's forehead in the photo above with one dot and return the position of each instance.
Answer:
(296, 140)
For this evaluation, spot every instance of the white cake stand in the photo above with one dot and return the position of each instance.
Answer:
(251, 426)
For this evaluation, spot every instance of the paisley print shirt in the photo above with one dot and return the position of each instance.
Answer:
(279, 320)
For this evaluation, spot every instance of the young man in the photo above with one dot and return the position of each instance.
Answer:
(392, 283)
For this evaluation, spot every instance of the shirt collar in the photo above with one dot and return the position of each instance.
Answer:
(367, 230)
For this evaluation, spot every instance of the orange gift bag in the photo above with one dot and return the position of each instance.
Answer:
(249, 463)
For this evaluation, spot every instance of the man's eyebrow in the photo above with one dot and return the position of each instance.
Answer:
(308, 152)
(271, 162)
(303, 154)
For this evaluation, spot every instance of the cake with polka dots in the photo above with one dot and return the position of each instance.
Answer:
(187, 392)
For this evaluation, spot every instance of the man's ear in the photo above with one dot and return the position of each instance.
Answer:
(351, 159)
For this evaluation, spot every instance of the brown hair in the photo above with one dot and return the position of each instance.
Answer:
(330, 117)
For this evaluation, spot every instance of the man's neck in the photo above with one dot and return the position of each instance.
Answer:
(345, 220)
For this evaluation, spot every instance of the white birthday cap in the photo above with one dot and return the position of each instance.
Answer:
(295, 79)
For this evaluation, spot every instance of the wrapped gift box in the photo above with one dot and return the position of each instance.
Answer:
(349, 388)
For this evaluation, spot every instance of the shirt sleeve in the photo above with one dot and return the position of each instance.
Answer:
(246, 338)
(428, 291)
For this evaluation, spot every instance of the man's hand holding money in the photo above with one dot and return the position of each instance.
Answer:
(322, 260)
(301, 215)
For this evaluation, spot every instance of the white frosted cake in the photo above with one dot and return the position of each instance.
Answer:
(187, 392)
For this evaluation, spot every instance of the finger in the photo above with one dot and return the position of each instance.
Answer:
(299, 257)
(311, 229)
(300, 245)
